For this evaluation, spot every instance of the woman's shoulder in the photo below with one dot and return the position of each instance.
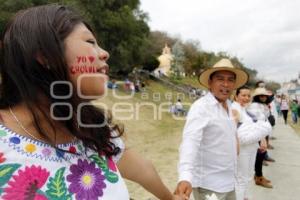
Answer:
(4, 115)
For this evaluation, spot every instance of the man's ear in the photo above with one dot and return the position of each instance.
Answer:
(209, 82)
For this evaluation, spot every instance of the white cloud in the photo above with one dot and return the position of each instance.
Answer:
(265, 35)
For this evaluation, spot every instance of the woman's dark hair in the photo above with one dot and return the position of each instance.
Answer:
(41, 31)
(238, 91)
(257, 83)
(257, 99)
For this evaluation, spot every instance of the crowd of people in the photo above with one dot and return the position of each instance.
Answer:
(128, 85)
(284, 105)
(226, 141)
(49, 150)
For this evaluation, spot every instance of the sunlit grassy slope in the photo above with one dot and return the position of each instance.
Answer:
(150, 129)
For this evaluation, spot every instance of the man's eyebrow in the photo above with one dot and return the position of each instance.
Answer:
(224, 76)
(219, 75)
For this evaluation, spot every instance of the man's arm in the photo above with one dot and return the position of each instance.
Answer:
(197, 120)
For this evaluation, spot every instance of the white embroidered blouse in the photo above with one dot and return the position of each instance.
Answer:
(30, 169)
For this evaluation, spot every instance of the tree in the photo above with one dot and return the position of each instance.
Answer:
(191, 50)
(151, 63)
(179, 58)
(120, 26)
(273, 86)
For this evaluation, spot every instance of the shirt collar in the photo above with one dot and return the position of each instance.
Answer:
(212, 99)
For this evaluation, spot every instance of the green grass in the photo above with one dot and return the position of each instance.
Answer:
(296, 127)
(193, 81)
(155, 139)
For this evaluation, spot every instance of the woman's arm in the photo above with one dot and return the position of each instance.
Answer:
(250, 132)
(134, 167)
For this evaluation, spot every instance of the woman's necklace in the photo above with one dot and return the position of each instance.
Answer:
(24, 129)
(21, 125)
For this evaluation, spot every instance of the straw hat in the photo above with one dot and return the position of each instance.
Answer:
(224, 65)
(260, 91)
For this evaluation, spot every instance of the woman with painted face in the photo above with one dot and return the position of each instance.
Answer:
(250, 131)
(54, 144)
(260, 111)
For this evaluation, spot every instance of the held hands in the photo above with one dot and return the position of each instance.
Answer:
(177, 197)
(184, 190)
(263, 145)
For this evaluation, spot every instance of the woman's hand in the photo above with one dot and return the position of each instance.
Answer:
(134, 167)
(177, 197)
(263, 145)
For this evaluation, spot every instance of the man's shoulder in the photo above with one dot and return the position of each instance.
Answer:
(201, 104)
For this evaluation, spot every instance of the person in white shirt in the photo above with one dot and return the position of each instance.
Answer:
(250, 132)
(179, 108)
(260, 110)
(208, 152)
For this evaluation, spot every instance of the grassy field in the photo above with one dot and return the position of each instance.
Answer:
(150, 130)
(296, 127)
(193, 81)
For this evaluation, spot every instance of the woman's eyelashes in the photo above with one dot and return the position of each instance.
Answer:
(91, 41)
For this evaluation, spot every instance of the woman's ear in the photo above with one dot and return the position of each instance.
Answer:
(42, 60)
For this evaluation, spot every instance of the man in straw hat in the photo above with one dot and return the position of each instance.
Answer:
(208, 151)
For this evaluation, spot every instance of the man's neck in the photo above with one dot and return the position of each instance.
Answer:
(223, 103)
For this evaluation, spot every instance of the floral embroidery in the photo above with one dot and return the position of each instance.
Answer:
(46, 152)
(39, 197)
(30, 148)
(59, 153)
(15, 140)
(26, 184)
(2, 133)
(87, 181)
(56, 187)
(73, 176)
(72, 149)
(6, 172)
(111, 164)
(2, 159)
(103, 163)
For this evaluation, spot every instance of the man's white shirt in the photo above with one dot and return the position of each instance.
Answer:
(208, 151)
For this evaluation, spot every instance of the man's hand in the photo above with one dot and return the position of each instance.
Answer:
(177, 197)
(184, 189)
(263, 145)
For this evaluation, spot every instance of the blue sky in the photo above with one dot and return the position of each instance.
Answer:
(264, 35)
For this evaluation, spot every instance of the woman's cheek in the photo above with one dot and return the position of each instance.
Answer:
(92, 85)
